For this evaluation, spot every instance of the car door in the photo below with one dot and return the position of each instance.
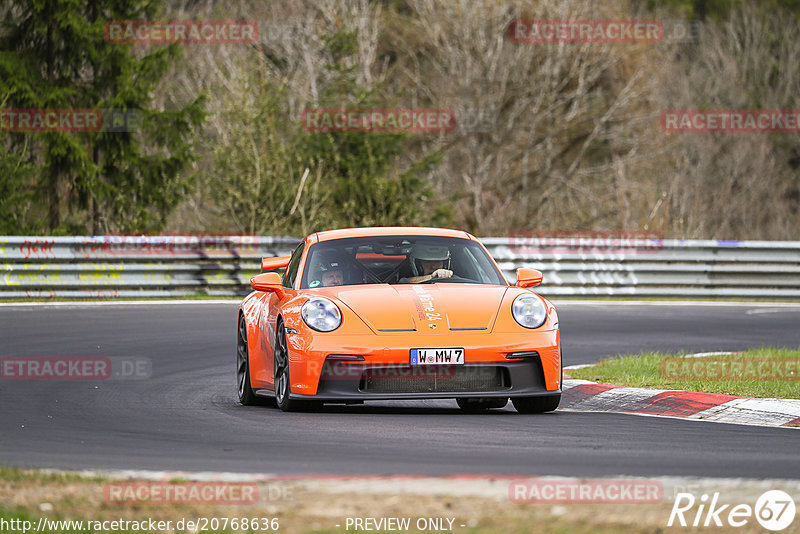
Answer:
(269, 317)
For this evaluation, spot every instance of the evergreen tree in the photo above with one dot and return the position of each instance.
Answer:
(15, 195)
(53, 55)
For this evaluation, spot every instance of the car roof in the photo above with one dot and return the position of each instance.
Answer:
(391, 230)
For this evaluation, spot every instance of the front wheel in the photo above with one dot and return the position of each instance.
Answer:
(540, 404)
(283, 381)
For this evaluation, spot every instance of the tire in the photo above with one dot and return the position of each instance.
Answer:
(245, 391)
(541, 404)
(480, 404)
(283, 380)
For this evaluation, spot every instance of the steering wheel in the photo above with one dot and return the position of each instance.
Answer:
(453, 278)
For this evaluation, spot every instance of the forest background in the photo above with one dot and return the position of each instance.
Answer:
(548, 136)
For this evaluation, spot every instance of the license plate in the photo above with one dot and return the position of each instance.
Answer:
(440, 356)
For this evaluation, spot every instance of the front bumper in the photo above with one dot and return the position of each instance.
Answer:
(340, 381)
(327, 367)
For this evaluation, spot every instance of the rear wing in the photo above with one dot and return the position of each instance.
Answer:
(271, 264)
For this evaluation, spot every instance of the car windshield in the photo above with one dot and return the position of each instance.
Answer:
(398, 260)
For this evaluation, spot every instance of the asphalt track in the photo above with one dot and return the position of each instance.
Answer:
(186, 417)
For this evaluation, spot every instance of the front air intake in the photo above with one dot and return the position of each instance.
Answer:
(433, 379)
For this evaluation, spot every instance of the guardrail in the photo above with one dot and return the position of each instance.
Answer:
(169, 266)
(133, 266)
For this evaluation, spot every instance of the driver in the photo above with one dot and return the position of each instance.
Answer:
(333, 277)
(327, 272)
(429, 262)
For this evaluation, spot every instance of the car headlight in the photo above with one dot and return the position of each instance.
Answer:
(321, 314)
(529, 311)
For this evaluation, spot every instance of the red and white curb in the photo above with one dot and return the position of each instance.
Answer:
(584, 395)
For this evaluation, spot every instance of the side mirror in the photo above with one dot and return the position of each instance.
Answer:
(268, 282)
(279, 262)
(528, 277)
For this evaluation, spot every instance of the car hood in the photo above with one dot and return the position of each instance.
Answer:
(425, 308)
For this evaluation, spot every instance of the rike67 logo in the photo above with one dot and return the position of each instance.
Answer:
(774, 510)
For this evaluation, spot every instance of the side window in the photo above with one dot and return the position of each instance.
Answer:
(294, 265)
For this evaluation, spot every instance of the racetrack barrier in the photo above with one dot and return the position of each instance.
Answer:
(173, 266)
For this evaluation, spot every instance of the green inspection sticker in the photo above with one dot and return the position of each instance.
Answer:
(314, 283)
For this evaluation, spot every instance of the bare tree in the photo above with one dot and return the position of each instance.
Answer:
(546, 131)
(735, 185)
(549, 135)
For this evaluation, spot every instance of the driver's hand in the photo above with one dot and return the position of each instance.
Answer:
(442, 273)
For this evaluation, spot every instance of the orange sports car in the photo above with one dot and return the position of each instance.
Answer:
(396, 313)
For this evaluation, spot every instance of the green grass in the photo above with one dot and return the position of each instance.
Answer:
(15, 474)
(664, 371)
(73, 497)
